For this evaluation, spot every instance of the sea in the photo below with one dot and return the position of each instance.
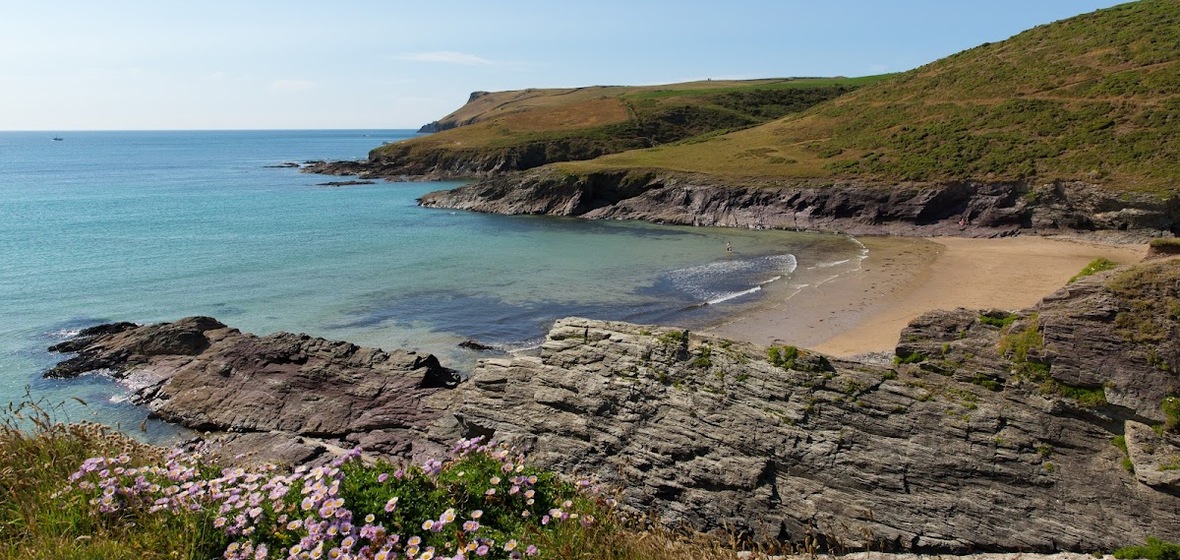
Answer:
(146, 227)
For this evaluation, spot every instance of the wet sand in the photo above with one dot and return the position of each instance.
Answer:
(863, 310)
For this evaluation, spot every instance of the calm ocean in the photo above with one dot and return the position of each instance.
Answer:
(154, 226)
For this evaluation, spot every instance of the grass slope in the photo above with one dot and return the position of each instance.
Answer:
(608, 119)
(1094, 97)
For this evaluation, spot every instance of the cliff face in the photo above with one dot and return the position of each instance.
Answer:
(986, 209)
(1044, 429)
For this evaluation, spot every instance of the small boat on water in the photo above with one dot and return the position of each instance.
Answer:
(58, 138)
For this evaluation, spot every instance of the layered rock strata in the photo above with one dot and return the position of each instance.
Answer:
(958, 208)
(1038, 430)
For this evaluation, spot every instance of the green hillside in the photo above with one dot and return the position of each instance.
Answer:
(536, 126)
(1095, 97)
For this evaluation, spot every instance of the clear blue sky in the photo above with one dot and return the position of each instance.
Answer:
(214, 64)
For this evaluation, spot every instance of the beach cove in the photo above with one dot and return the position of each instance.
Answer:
(901, 278)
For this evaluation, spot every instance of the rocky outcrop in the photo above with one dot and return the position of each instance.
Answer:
(957, 208)
(1036, 430)
(407, 162)
(204, 375)
(962, 446)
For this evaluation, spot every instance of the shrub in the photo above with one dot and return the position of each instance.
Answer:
(791, 357)
(1001, 321)
(1155, 549)
(911, 358)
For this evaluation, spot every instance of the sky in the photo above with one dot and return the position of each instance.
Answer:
(294, 64)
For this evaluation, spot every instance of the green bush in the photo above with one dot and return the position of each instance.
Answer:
(1001, 321)
(1155, 549)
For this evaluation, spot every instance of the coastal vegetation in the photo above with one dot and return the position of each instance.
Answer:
(1154, 549)
(1097, 265)
(526, 128)
(1089, 98)
(84, 491)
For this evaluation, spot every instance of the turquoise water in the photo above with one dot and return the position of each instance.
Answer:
(154, 226)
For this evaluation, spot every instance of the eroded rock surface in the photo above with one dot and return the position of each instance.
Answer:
(965, 448)
(204, 375)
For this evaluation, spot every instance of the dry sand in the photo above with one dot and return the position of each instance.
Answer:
(863, 311)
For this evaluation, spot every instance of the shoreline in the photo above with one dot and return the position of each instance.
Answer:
(863, 311)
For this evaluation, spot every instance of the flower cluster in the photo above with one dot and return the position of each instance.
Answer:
(480, 503)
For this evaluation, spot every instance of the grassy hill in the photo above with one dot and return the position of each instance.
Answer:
(536, 126)
(1094, 97)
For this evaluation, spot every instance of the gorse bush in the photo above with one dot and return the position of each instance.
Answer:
(482, 502)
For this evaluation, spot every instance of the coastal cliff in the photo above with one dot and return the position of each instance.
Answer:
(985, 209)
(986, 417)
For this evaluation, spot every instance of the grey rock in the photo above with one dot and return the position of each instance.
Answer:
(206, 376)
(859, 455)
(985, 209)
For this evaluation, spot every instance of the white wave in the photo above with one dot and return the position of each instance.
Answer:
(708, 282)
(730, 296)
(830, 264)
(64, 333)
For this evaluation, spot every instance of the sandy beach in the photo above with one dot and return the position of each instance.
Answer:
(864, 310)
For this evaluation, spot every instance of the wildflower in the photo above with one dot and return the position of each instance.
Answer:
(391, 504)
(295, 525)
(255, 512)
(348, 542)
(414, 541)
(411, 551)
(369, 518)
(307, 503)
(482, 550)
(531, 550)
(477, 514)
(471, 526)
(495, 480)
(510, 545)
(382, 477)
(490, 492)
(427, 555)
(426, 525)
(219, 522)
